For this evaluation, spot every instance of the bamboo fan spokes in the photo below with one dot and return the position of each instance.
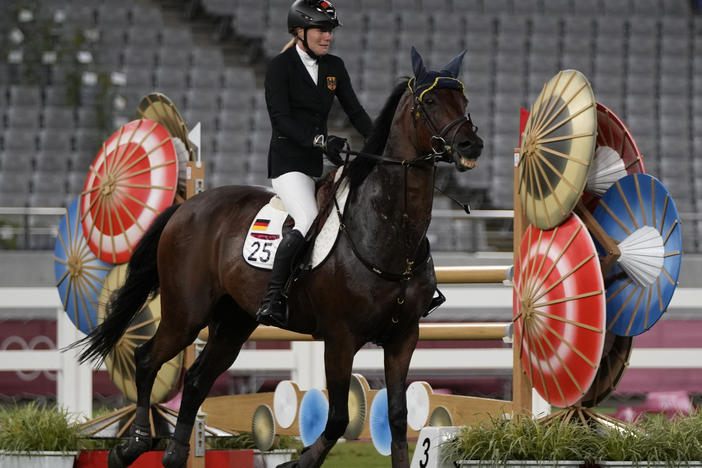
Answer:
(120, 362)
(132, 179)
(639, 214)
(79, 273)
(615, 360)
(557, 149)
(159, 108)
(559, 310)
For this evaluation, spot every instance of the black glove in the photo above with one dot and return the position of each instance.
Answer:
(333, 149)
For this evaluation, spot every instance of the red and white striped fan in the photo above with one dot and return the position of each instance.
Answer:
(560, 312)
(132, 179)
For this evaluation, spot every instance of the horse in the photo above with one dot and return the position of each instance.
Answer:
(375, 286)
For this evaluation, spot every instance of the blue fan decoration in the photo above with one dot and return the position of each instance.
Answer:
(639, 214)
(79, 273)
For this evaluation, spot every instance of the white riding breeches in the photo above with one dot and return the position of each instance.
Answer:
(296, 190)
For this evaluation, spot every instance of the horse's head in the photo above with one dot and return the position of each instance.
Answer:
(440, 104)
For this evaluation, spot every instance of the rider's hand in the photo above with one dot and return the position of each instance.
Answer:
(333, 150)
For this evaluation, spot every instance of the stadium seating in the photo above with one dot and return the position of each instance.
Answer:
(643, 58)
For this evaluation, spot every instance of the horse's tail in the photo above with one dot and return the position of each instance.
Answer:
(141, 283)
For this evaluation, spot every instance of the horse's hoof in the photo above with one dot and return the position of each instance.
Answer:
(114, 460)
(176, 455)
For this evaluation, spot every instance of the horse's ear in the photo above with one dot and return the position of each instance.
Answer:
(453, 68)
(418, 65)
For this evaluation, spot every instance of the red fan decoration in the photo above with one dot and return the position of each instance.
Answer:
(559, 307)
(132, 179)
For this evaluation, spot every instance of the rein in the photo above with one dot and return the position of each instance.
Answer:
(440, 152)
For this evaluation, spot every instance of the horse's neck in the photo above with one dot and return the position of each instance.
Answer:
(390, 214)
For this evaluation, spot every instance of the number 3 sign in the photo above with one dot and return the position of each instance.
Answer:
(428, 453)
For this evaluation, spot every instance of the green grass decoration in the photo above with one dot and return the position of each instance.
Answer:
(652, 438)
(37, 427)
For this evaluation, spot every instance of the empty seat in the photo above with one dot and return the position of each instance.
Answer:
(204, 78)
(170, 80)
(233, 119)
(113, 16)
(139, 78)
(527, 7)
(178, 39)
(150, 36)
(167, 57)
(206, 100)
(615, 8)
(138, 55)
(646, 8)
(52, 139)
(22, 117)
(558, 7)
(52, 161)
(146, 16)
(49, 183)
(17, 161)
(75, 181)
(24, 96)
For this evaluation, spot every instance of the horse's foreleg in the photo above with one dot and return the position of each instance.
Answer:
(222, 348)
(338, 363)
(398, 353)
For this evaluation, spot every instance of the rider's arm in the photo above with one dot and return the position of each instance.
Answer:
(349, 102)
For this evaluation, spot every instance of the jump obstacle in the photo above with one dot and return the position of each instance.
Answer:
(548, 194)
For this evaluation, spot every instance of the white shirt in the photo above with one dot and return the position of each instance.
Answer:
(310, 64)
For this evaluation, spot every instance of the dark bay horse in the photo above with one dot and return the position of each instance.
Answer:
(375, 286)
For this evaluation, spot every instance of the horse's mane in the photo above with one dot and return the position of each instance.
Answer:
(359, 168)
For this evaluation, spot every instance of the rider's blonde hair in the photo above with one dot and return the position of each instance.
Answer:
(290, 43)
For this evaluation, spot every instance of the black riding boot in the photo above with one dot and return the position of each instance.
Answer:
(273, 310)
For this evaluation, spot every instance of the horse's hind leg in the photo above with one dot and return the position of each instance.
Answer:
(398, 353)
(148, 359)
(230, 327)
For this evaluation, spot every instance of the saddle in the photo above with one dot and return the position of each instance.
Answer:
(272, 221)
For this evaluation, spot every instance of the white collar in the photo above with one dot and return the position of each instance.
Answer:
(310, 64)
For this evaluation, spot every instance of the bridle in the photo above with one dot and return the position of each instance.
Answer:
(441, 151)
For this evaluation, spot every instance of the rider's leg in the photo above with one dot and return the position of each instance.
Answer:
(296, 190)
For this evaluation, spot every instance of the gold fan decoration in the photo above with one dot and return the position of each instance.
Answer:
(557, 149)
(159, 108)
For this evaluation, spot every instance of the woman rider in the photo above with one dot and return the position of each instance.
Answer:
(301, 84)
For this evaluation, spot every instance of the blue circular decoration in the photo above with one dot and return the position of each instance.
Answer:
(314, 410)
(79, 273)
(640, 215)
(380, 423)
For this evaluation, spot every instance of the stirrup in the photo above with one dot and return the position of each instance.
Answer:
(436, 301)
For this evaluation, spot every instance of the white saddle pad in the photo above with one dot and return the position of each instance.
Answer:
(266, 229)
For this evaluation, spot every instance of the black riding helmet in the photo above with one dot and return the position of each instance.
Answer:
(312, 14)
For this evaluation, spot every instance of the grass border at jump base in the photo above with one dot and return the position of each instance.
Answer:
(654, 438)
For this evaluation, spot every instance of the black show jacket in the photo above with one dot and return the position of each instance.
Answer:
(299, 109)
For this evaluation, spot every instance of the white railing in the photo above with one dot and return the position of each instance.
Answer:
(304, 360)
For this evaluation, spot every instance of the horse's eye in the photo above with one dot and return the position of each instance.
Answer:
(429, 100)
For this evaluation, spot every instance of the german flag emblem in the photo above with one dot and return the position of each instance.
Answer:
(331, 83)
(260, 225)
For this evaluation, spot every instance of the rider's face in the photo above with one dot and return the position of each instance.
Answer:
(318, 39)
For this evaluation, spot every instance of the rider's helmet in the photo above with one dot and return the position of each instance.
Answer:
(312, 14)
